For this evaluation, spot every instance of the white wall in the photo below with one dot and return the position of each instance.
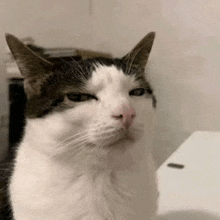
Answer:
(183, 66)
(188, 67)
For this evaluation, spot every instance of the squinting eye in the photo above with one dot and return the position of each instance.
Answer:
(80, 97)
(137, 92)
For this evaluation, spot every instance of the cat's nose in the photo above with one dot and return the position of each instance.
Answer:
(125, 115)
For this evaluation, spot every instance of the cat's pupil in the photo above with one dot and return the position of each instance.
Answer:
(137, 92)
(80, 97)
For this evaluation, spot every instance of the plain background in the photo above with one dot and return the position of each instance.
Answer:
(183, 67)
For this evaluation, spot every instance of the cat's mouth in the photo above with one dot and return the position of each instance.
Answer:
(117, 137)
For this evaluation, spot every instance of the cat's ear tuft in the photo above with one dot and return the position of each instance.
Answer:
(139, 54)
(33, 68)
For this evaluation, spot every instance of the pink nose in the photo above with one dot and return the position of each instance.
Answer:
(125, 114)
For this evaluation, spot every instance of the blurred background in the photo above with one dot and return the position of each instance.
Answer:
(183, 67)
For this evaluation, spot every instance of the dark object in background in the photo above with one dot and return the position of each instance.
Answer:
(175, 165)
(5, 172)
(17, 101)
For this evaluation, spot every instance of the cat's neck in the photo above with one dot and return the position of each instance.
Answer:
(37, 139)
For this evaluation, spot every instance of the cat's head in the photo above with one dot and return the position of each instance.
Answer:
(95, 102)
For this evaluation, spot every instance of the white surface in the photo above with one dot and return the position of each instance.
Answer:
(196, 186)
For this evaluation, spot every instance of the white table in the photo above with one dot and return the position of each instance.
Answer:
(192, 192)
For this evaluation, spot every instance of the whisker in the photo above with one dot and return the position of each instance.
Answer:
(73, 140)
(80, 149)
(93, 136)
(66, 147)
(106, 131)
(80, 69)
(73, 137)
(74, 143)
(73, 60)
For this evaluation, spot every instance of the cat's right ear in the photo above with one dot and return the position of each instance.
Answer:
(33, 68)
(139, 54)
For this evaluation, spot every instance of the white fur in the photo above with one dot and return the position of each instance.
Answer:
(66, 170)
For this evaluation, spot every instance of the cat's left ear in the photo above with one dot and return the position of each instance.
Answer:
(33, 68)
(139, 54)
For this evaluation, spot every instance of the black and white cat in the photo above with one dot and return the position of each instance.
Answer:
(86, 153)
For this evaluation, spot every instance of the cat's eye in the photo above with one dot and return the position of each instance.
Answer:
(80, 97)
(137, 92)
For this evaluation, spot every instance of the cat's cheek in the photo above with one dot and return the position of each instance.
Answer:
(81, 114)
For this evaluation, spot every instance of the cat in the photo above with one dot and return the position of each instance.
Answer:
(86, 153)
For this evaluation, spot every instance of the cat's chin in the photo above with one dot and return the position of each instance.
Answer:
(123, 143)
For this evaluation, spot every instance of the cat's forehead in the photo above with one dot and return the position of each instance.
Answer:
(104, 76)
